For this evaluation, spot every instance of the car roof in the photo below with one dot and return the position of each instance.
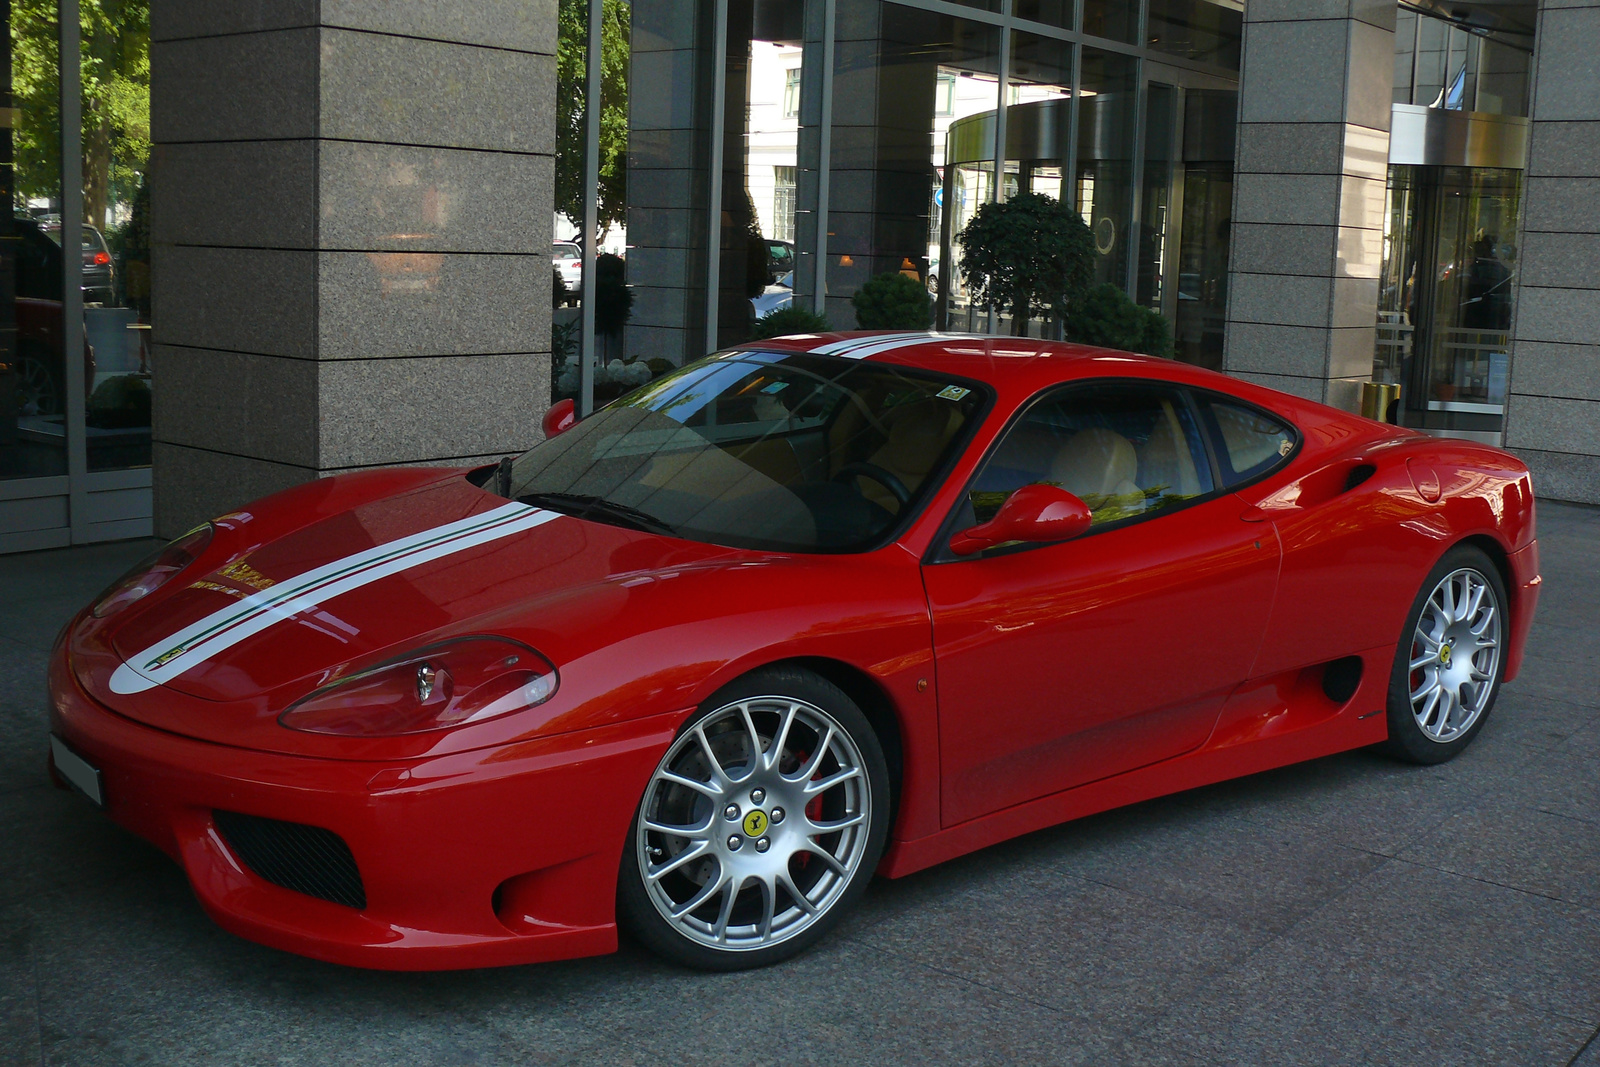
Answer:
(1020, 367)
(998, 360)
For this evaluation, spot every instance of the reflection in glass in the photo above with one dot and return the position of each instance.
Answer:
(1117, 20)
(116, 231)
(33, 375)
(1446, 294)
(905, 79)
(770, 145)
(1156, 223)
(1049, 12)
(1104, 182)
(1201, 286)
(1196, 29)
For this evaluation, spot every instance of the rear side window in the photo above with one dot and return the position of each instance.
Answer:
(1249, 442)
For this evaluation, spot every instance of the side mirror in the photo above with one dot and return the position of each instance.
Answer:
(560, 418)
(1034, 513)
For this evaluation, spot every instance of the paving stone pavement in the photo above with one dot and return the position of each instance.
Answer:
(1351, 910)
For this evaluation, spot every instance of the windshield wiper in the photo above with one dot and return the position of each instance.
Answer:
(584, 505)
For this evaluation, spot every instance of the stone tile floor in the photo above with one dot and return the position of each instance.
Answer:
(1351, 910)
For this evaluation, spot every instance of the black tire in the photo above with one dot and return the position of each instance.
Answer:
(1407, 739)
(638, 913)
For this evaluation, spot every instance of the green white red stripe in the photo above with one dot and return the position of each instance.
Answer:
(226, 627)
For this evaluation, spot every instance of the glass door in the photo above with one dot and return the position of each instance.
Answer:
(1446, 298)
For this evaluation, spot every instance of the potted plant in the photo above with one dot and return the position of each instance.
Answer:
(1027, 255)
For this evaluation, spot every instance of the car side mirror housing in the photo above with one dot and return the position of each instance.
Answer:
(1034, 513)
(561, 417)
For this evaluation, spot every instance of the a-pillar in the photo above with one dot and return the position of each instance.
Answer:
(351, 227)
(1553, 413)
(1315, 96)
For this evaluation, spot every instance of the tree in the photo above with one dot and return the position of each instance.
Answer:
(115, 64)
(1028, 254)
(571, 90)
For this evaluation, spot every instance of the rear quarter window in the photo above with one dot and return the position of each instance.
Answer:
(1249, 442)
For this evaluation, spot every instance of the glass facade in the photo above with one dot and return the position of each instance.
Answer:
(75, 274)
(842, 141)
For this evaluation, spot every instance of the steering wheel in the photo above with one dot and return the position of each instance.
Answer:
(888, 480)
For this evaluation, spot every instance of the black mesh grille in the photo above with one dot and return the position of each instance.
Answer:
(307, 859)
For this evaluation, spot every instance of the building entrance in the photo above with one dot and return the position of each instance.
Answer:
(1449, 266)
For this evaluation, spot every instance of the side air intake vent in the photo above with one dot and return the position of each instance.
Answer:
(1358, 474)
(306, 859)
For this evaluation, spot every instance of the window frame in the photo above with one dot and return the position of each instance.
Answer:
(939, 548)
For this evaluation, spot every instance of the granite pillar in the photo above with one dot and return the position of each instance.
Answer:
(351, 227)
(1553, 411)
(1313, 148)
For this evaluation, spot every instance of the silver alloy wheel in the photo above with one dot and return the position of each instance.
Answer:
(1455, 655)
(754, 824)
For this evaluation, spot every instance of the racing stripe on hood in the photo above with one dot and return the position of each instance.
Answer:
(223, 629)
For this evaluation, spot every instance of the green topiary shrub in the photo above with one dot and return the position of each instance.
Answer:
(119, 402)
(786, 321)
(893, 302)
(1026, 255)
(1105, 316)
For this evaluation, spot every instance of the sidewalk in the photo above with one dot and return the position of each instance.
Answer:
(1352, 910)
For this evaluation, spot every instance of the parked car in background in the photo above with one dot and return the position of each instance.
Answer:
(780, 260)
(568, 260)
(776, 297)
(99, 277)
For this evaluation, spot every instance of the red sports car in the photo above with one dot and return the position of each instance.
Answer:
(801, 612)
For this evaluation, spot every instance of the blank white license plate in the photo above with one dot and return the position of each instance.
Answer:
(83, 776)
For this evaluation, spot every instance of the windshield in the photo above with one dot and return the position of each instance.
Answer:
(767, 450)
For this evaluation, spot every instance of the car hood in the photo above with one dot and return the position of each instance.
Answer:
(259, 625)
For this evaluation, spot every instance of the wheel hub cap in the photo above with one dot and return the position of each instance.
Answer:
(1455, 655)
(754, 824)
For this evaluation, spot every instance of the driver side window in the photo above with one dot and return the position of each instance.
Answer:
(1126, 449)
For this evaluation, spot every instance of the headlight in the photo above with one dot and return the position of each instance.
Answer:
(451, 684)
(152, 572)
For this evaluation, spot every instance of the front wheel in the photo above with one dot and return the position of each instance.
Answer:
(1449, 661)
(760, 827)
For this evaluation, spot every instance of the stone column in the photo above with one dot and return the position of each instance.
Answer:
(1553, 412)
(351, 226)
(1315, 94)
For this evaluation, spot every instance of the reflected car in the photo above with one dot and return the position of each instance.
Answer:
(780, 260)
(98, 271)
(567, 259)
(775, 297)
(33, 376)
(805, 611)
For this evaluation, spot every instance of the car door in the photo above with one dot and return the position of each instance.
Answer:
(1066, 663)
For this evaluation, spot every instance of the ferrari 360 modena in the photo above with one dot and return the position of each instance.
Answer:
(701, 664)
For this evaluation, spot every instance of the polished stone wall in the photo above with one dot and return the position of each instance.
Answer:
(1553, 412)
(1313, 149)
(351, 228)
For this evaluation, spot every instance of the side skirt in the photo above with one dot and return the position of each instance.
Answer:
(1266, 723)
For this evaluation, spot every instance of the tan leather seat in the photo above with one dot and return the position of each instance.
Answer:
(916, 440)
(1098, 465)
(1165, 460)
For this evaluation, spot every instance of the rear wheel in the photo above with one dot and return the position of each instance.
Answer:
(760, 827)
(1449, 661)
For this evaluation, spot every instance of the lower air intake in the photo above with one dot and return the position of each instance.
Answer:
(306, 859)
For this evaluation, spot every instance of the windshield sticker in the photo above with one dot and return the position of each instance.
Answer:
(775, 387)
(953, 392)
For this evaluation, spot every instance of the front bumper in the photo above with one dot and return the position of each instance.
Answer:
(498, 856)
